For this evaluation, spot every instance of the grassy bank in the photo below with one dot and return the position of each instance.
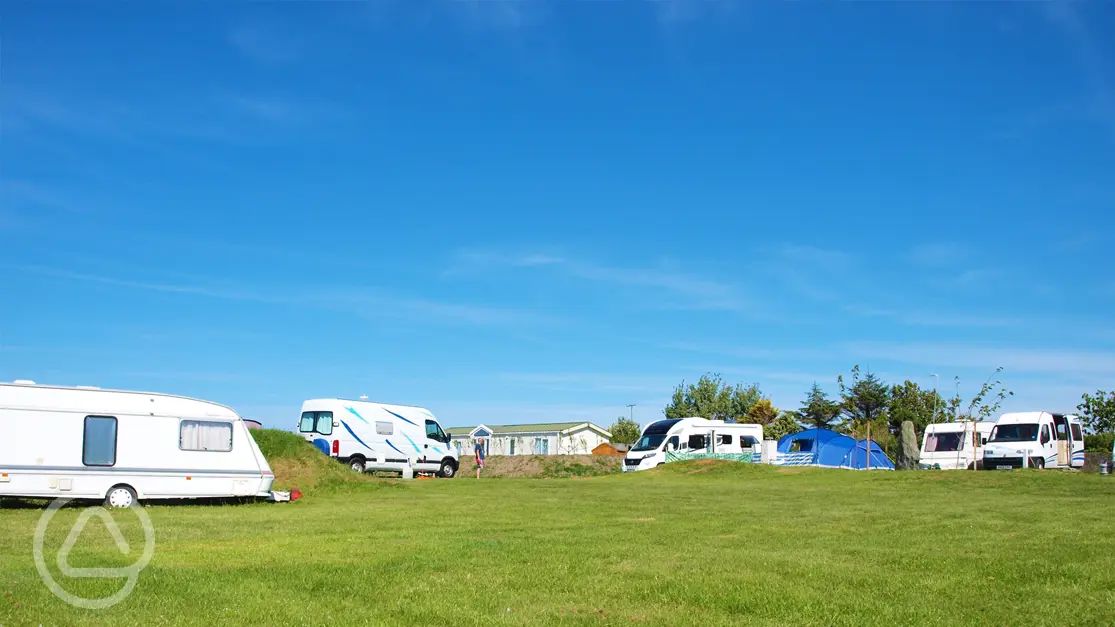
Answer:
(711, 543)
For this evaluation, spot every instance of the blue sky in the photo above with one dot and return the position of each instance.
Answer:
(545, 211)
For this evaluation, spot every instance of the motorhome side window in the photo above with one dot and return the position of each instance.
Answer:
(204, 435)
(99, 441)
(725, 439)
(697, 441)
(316, 421)
(1076, 434)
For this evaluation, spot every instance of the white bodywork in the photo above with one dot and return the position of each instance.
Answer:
(378, 437)
(77, 442)
(690, 435)
(1035, 439)
(954, 445)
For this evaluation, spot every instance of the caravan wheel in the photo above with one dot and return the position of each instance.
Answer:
(120, 497)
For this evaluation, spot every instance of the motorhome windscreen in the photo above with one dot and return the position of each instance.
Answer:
(654, 435)
(942, 442)
(1015, 433)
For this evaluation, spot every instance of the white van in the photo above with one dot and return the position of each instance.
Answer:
(690, 435)
(1035, 439)
(954, 445)
(121, 446)
(377, 437)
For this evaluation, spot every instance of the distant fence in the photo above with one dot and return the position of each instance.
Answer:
(792, 459)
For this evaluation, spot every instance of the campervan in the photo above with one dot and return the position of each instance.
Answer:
(1035, 439)
(121, 446)
(954, 445)
(690, 435)
(377, 437)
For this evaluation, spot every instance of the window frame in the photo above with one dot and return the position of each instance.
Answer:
(115, 438)
(231, 435)
(439, 436)
(317, 416)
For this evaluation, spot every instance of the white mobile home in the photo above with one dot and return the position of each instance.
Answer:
(374, 436)
(691, 435)
(550, 438)
(83, 442)
(954, 445)
(1035, 439)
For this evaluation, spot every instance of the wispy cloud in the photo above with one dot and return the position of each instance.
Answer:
(362, 301)
(687, 289)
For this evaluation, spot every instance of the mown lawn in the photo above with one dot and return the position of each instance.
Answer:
(685, 544)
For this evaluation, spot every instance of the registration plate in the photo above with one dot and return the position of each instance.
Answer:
(1003, 467)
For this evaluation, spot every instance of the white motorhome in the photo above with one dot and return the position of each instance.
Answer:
(690, 435)
(954, 445)
(121, 446)
(378, 437)
(1035, 439)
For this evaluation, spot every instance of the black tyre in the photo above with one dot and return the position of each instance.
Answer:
(356, 464)
(448, 470)
(121, 497)
(1039, 463)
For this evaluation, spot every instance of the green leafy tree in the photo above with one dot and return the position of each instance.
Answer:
(909, 402)
(817, 410)
(711, 398)
(1098, 411)
(863, 402)
(784, 424)
(624, 430)
(985, 403)
(762, 413)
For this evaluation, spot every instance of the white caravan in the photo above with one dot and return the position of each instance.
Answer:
(954, 445)
(377, 437)
(690, 435)
(120, 446)
(1035, 439)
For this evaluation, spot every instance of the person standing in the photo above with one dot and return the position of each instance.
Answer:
(481, 454)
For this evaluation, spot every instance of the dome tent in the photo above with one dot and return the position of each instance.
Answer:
(829, 449)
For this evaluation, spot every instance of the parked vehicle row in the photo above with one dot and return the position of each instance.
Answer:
(1034, 439)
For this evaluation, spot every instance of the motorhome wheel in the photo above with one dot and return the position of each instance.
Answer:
(356, 464)
(447, 470)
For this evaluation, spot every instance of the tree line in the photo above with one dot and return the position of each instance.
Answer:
(864, 403)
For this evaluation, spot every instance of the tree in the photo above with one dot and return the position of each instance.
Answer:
(909, 402)
(985, 403)
(1098, 411)
(624, 431)
(865, 402)
(817, 410)
(762, 412)
(785, 424)
(711, 398)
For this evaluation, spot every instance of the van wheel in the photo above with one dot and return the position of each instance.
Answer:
(1039, 463)
(121, 497)
(448, 470)
(356, 464)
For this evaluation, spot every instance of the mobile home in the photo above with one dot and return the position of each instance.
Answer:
(122, 446)
(378, 437)
(690, 435)
(954, 445)
(1035, 439)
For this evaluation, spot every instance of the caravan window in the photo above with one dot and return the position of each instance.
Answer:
(945, 441)
(99, 442)
(203, 435)
(385, 428)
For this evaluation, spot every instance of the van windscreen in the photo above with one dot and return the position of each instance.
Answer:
(1015, 433)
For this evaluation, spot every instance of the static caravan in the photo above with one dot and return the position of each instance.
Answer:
(690, 435)
(120, 446)
(1035, 439)
(954, 445)
(377, 437)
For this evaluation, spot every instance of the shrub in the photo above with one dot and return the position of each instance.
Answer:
(1100, 442)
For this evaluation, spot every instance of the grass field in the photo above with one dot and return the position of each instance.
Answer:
(684, 544)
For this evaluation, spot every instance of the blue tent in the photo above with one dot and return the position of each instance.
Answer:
(822, 447)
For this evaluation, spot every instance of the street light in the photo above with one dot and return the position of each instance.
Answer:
(936, 396)
(631, 412)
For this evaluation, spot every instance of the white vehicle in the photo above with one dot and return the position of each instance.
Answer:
(954, 445)
(1035, 439)
(690, 435)
(120, 446)
(377, 437)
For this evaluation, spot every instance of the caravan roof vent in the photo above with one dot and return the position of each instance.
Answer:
(23, 382)
(363, 397)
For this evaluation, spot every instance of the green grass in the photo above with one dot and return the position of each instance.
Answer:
(685, 544)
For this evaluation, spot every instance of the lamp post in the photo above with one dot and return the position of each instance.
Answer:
(936, 396)
(631, 412)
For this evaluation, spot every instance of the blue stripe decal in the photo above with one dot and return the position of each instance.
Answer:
(398, 416)
(392, 445)
(353, 434)
(355, 413)
(416, 449)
